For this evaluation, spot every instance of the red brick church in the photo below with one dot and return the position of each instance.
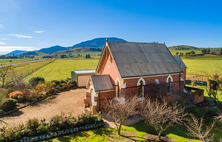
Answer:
(126, 69)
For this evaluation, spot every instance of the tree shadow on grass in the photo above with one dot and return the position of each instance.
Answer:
(176, 130)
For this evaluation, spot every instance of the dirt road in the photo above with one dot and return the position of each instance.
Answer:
(70, 101)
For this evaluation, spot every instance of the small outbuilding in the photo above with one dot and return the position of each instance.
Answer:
(82, 76)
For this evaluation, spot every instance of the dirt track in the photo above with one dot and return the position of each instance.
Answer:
(70, 101)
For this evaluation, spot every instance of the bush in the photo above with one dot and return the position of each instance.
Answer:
(35, 127)
(71, 86)
(15, 94)
(64, 87)
(42, 87)
(62, 81)
(8, 104)
(35, 80)
(51, 91)
(56, 82)
(4, 93)
(71, 82)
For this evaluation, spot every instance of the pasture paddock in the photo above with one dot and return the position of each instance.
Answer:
(61, 68)
(13, 61)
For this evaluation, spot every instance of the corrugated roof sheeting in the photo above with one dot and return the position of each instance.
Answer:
(141, 59)
(180, 61)
(101, 82)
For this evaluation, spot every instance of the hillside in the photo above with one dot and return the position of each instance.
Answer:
(79, 51)
(97, 42)
(16, 53)
(52, 49)
(184, 49)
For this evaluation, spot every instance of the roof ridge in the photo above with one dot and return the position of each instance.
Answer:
(139, 42)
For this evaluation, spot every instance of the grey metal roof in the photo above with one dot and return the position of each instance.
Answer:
(101, 82)
(84, 71)
(142, 59)
(179, 61)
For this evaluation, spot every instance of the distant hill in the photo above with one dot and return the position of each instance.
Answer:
(97, 42)
(52, 49)
(16, 53)
(184, 47)
(79, 50)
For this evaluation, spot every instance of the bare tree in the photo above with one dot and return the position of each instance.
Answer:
(5, 72)
(17, 80)
(119, 111)
(161, 116)
(196, 130)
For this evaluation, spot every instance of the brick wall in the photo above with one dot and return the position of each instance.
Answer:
(102, 96)
(151, 89)
(109, 67)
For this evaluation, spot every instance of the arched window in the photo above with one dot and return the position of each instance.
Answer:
(141, 82)
(117, 89)
(140, 89)
(169, 84)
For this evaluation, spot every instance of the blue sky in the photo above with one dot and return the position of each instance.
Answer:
(35, 24)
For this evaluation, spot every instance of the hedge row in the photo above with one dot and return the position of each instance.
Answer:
(56, 126)
(63, 132)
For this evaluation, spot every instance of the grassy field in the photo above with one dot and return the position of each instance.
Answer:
(13, 61)
(200, 66)
(61, 68)
(31, 67)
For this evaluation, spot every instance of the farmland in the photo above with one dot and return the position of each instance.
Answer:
(13, 61)
(61, 68)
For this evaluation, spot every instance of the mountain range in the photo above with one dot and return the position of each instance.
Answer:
(96, 43)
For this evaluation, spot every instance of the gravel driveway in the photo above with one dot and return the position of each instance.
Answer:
(70, 101)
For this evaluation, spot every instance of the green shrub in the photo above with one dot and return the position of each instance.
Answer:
(9, 104)
(56, 82)
(35, 80)
(35, 127)
(32, 125)
(42, 129)
(71, 82)
(62, 81)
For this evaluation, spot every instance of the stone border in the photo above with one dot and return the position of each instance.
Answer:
(62, 132)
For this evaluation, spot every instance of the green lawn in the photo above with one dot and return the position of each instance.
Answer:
(61, 68)
(137, 132)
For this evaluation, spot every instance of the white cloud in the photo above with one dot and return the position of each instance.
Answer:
(39, 32)
(4, 38)
(2, 43)
(1, 26)
(7, 49)
(20, 36)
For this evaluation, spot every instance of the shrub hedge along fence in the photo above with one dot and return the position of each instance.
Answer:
(35, 130)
